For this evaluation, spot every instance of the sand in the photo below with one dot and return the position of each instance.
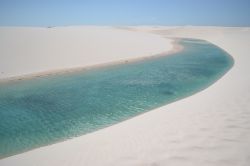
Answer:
(210, 128)
(38, 51)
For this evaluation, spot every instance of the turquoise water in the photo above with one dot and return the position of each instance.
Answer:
(45, 110)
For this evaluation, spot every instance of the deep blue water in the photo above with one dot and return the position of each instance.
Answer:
(44, 110)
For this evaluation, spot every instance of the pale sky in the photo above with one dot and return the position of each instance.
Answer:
(124, 12)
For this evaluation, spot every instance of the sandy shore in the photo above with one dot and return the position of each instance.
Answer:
(211, 128)
(40, 51)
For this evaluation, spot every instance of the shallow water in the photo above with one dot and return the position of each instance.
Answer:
(45, 110)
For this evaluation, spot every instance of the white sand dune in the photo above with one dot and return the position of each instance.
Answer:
(25, 51)
(210, 128)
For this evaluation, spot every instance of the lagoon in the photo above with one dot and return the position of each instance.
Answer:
(45, 110)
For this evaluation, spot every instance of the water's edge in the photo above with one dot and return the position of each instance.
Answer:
(130, 83)
(176, 48)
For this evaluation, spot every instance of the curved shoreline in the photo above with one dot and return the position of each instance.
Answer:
(176, 48)
(182, 44)
(208, 128)
(65, 49)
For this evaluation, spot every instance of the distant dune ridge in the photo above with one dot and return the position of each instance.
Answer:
(211, 128)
